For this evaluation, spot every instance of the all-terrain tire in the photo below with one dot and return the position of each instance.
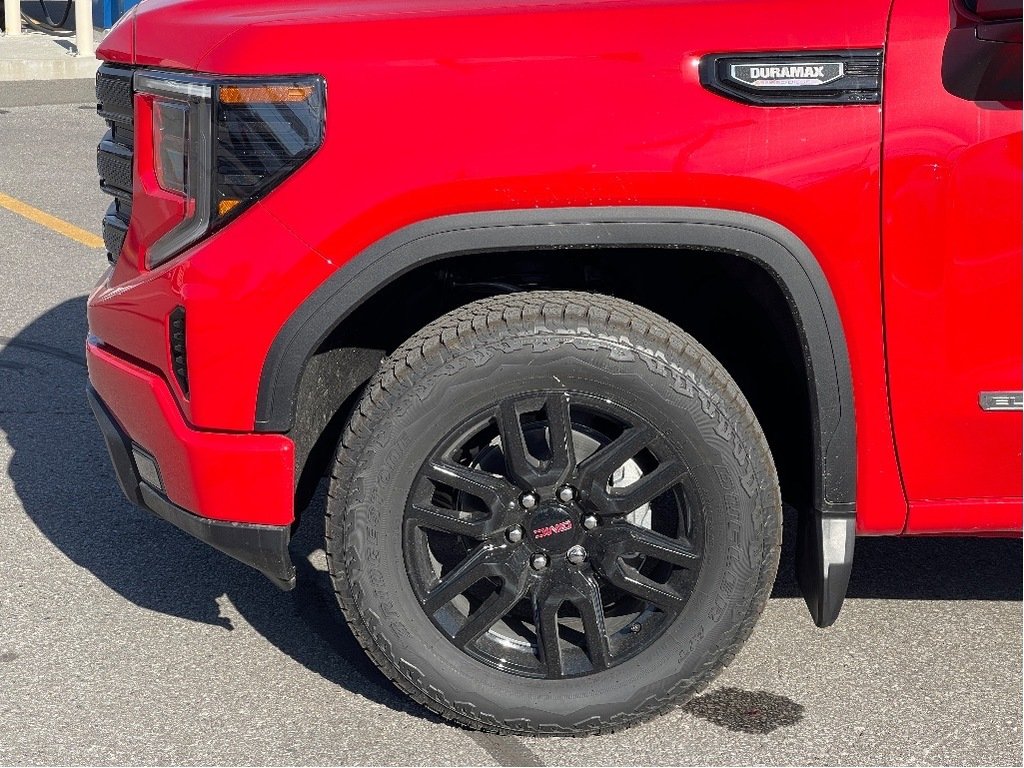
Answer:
(605, 348)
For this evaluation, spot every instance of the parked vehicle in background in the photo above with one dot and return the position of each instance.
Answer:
(568, 300)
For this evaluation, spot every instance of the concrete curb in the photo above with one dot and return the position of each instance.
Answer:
(64, 68)
(33, 93)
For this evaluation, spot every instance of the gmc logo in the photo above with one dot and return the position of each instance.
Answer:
(551, 530)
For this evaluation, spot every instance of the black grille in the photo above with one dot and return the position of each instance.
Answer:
(114, 231)
(115, 104)
(114, 93)
(114, 163)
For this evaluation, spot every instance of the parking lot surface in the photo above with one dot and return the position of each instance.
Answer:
(122, 640)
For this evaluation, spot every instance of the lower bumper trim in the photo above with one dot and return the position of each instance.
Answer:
(263, 547)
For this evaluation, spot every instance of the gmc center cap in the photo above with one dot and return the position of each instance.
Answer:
(553, 528)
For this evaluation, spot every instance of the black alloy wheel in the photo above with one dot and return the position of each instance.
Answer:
(524, 551)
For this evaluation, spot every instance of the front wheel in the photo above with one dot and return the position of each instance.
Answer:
(552, 512)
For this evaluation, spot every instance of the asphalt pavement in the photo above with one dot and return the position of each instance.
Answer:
(122, 640)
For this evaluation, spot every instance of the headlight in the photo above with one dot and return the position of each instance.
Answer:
(217, 146)
(170, 145)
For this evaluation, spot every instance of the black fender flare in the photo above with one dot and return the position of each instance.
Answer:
(772, 246)
(775, 248)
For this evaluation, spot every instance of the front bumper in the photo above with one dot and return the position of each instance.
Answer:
(233, 491)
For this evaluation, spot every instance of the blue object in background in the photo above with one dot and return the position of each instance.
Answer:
(106, 12)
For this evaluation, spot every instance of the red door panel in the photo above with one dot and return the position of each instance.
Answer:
(951, 236)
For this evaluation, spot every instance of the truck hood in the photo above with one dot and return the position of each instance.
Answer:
(179, 34)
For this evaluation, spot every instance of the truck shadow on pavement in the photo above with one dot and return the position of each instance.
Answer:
(61, 473)
(62, 476)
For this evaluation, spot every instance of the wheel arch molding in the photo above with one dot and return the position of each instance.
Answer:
(773, 247)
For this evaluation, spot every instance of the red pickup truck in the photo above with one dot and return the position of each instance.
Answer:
(567, 299)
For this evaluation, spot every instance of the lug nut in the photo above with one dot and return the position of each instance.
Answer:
(539, 561)
(590, 522)
(528, 500)
(566, 493)
(576, 555)
(514, 534)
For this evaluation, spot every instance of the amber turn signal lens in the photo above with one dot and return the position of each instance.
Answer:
(224, 206)
(265, 94)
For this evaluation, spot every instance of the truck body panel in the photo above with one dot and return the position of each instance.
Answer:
(951, 212)
(586, 104)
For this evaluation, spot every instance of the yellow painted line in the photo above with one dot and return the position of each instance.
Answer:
(61, 227)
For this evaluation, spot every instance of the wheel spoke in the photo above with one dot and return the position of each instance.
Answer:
(630, 580)
(624, 538)
(545, 619)
(496, 492)
(426, 515)
(482, 562)
(518, 463)
(526, 470)
(595, 471)
(563, 455)
(493, 609)
(645, 490)
(587, 599)
(662, 547)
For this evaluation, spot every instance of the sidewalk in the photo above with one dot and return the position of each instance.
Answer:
(38, 56)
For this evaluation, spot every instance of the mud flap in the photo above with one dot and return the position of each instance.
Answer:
(824, 560)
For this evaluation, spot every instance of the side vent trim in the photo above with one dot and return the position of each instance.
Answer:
(179, 358)
(800, 78)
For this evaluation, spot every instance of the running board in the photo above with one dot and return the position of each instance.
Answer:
(824, 560)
